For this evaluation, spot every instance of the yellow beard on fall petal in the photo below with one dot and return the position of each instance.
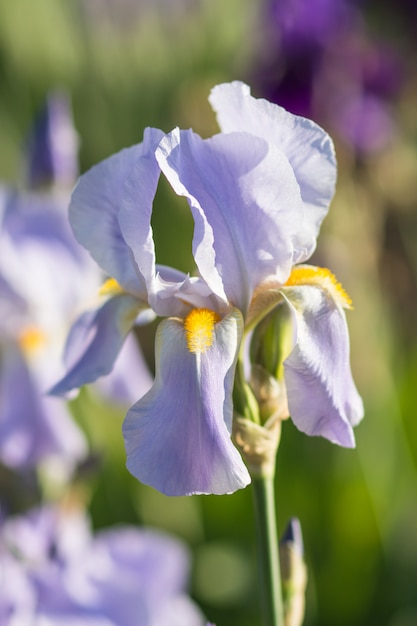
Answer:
(319, 277)
(199, 329)
(31, 339)
(110, 288)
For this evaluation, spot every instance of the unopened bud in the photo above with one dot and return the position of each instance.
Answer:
(52, 150)
(270, 394)
(272, 341)
(293, 573)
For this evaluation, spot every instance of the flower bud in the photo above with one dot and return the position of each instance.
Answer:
(270, 345)
(272, 340)
(52, 150)
(293, 573)
(270, 394)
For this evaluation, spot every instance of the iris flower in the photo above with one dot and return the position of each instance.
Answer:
(36, 250)
(258, 192)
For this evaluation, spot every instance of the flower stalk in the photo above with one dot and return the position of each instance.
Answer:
(268, 554)
(258, 445)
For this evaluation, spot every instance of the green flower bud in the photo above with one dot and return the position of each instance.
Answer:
(270, 345)
(272, 341)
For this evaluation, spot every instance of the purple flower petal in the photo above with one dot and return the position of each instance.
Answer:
(95, 206)
(64, 576)
(178, 436)
(246, 205)
(308, 148)
(322, 396)
(95, 340)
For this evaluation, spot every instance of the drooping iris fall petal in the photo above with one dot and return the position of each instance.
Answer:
(95, 340)
(322, 396)
(178, 436)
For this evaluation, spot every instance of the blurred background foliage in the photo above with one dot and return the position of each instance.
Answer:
(129, 64)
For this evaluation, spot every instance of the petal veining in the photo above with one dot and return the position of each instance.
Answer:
(178, 436)
(308, 148)
(95, 205)
(246, 205)
(95, 340)
(322, 396)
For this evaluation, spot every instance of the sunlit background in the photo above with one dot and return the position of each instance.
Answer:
(352, 67)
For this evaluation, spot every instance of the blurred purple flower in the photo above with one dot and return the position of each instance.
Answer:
(45, 279)
(321, 62)
(38, 266)
(258, 192)
(53, 571)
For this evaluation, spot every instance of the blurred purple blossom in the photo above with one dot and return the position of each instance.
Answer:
(45, 280)
(319, 60)
(41, 287)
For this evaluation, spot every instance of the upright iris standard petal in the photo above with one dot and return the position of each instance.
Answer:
(178, 436)
(95, 341)
(308, 148)
(95, 205)
(246, 205)
(322, 396)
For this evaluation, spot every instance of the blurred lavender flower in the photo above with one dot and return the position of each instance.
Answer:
(320, 61)
(53, 572)
(41, 285)
(258, 192)
(45, 279)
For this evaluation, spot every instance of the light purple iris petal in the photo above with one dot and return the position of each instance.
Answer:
(95, 205)
(135, 224)
(95, 340)
(246, 205)
(308, 148)
(173, 293)
(32, 426)
(322, 396)
(128, 576)
(17, 598)
(13, 308)
(178, 436)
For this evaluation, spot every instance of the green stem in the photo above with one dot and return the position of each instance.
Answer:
(267, 546)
